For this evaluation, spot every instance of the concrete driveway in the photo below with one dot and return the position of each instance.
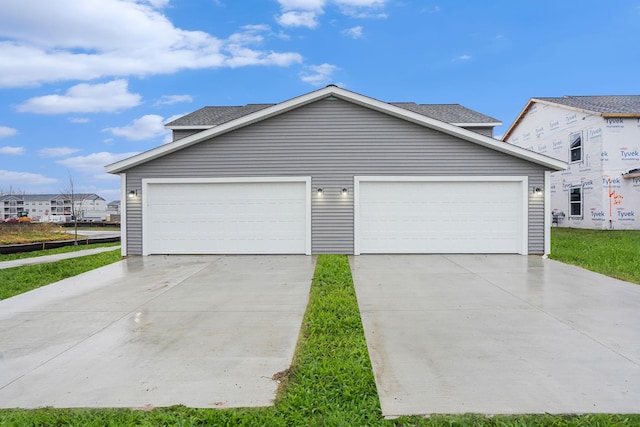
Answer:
(202, 331)
(498, 335)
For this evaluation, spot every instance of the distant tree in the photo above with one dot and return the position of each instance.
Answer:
(12, 192)
(76, 200)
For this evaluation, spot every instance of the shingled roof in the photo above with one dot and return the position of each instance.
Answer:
(605, 105)
(456, 114)
(450, 113)
(457, 130)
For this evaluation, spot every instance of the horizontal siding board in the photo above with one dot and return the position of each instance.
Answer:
(332, 141)
(183, 133)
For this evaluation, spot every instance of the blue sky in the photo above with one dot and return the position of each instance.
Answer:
(86, 83)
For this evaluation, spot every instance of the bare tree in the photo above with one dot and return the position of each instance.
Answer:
(76, 201)
(12, 191)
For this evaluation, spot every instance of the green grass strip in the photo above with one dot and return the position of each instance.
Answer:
(615, 253)
(17, 280)
(330, 382)
(54, 251)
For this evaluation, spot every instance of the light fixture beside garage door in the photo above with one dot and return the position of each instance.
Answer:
(344, 191)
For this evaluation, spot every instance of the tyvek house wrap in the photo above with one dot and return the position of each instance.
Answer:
(611, 147)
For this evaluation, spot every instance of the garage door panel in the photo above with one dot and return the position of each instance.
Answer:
(227, 218)
(440, 217)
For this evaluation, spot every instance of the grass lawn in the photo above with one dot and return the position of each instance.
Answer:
(329, 384)
(17, 280)
(62, 250)
(615, 253)
(13, 234)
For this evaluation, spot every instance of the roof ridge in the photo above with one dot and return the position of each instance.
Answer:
(215, 115)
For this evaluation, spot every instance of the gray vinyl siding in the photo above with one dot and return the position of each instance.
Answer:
(486, 131)
(183, 133)
(332, 141)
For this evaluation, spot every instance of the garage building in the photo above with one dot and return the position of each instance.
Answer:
(333, 171)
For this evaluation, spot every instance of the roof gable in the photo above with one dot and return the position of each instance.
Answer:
(355, 98)
(605, 106)
(456, 114)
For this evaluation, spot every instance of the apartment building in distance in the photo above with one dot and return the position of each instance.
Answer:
(52, 207)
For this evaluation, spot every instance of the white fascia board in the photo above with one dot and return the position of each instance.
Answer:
(346, 95)
(478, 125)
(190, 127)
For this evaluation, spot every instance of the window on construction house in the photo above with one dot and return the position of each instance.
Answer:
(575, 147)
(575, 202)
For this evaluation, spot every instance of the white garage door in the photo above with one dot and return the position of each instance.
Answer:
(445, 215)
(226, 217)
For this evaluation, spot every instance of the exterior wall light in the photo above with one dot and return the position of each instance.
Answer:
(344, 191)
(537, 191)
(320, 191)
(133, 193)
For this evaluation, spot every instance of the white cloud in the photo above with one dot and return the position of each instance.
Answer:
(23, 179)
(12, 151)
(7, 131)
(66, 40)
(241, 55)
(302, 4)
(361, 3)
(93, 164)
(146, 127)
(463, 58)
(355, 32)
(305, 13)
(362, 8)
(85, 98)
(57, 151)
(173, 99)
(158, 4)
(298, 19)
(318, 74)
(79, 120)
